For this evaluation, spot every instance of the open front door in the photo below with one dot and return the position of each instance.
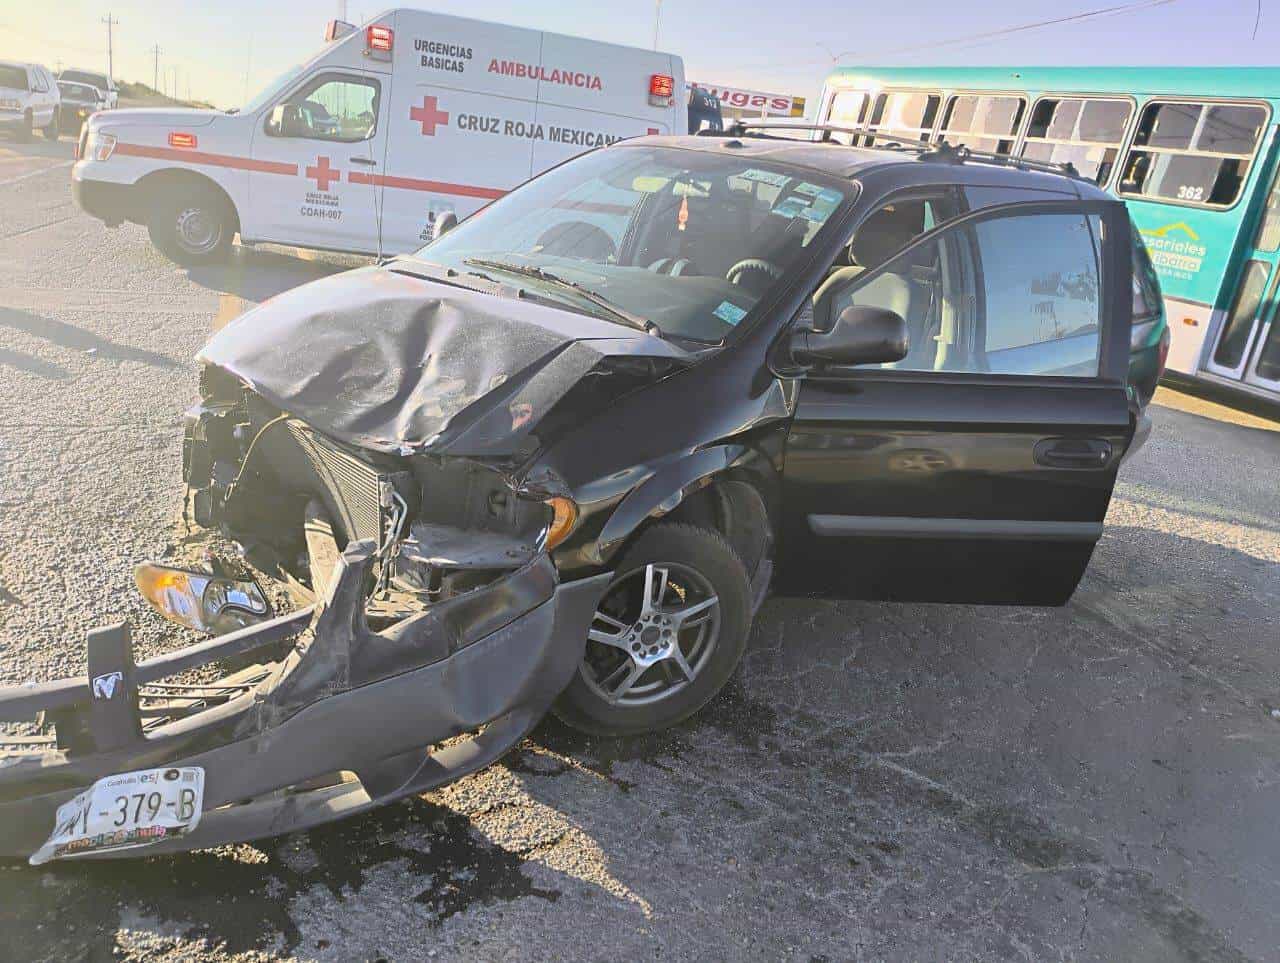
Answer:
(979, 468)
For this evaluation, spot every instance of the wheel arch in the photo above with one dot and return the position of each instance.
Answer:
(168, 181)
(731, 489)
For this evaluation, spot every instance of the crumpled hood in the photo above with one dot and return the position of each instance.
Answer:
(161, 117)
(397, 363)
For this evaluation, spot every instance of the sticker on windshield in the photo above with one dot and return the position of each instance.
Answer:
(807, 189)
(765, 177)
(730, 313)
(792, 207)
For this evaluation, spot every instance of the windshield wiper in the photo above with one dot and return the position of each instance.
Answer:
(537, 273)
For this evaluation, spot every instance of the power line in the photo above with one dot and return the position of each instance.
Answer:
(988, 35)
(1257, 19)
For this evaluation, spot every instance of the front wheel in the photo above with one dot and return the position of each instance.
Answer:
(667, 635)
(192, 226)
(51, 132)
(24, 132)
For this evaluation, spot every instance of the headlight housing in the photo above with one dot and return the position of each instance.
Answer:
(564, 515)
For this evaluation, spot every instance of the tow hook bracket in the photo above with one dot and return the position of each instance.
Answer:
(114, 713)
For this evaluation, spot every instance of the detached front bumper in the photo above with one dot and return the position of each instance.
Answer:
(341, 700)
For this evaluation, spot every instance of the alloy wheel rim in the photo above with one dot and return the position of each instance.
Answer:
(197, 231)
(653, 634)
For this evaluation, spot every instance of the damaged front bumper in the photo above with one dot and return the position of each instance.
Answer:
(341, 720)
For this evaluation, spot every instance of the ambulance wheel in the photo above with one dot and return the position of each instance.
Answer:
(192, 226)
(51, 132)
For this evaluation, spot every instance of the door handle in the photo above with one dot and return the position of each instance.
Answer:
(1073, 452)
(367, 162)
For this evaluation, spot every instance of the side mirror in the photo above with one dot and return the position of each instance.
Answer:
(443, 224)
(861, 335)
(286, 121)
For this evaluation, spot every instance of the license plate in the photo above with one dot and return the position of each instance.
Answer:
(126, 810)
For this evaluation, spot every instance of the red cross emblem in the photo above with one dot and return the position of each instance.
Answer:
(322, 173)
(428, 116)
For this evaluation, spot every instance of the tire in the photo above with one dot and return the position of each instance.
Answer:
(24, 132)
(51, 132)
(192, 226)
(698, 562)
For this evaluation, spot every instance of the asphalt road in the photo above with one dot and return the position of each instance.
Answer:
(881, 781)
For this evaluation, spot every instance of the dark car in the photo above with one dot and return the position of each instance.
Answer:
(79, 103)
(559, 457)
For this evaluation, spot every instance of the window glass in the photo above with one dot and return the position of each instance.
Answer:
(1239, 325)
(15, 78)
(983, 122)
(689, 240)
(846, 111)
(907, 114)
(1269, 230)
(1084, 133)
(1193, 153)
(38, 83)
(331, 108)
(1011, 295)
(1147, 302)
(1269, 356)
(1039, 291)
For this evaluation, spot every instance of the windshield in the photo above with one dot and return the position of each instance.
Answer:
(687, 241)
(15, 78)
(266, 93)
(78, 91)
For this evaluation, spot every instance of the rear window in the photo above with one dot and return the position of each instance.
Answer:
(84, 77)
(983, 122)
(1193, 153)
(1086, 133)
(1146, 286)
(15, 78)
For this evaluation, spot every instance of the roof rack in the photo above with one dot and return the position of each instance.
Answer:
(938, 151)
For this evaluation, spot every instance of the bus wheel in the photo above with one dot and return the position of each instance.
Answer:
(192, 227)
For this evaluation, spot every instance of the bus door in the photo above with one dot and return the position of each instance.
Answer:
(1247, 347)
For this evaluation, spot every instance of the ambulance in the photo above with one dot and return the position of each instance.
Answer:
(390, 133)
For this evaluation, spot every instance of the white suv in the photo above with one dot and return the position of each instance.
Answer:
(29, 98)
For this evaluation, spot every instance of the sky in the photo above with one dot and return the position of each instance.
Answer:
(224, 51)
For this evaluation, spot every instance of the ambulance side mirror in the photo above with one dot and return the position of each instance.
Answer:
(444, 223)
(286, 121)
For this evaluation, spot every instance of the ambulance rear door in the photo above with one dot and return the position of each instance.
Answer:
(461, 122)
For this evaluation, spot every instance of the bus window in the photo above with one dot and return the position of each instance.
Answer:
(983, 122)
(1239, 323)
(1269, 229)
(847, 109)
(909, 114)
(1193, 153)
(1085, 133)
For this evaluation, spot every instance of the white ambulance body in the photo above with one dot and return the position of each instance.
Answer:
(361, 148)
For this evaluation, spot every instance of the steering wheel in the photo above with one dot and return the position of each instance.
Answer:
(673, 266)
(753, 267)
(576, 239)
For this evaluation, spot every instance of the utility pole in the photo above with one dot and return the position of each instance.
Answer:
(155, 73)
(657, 15)
(110, 22)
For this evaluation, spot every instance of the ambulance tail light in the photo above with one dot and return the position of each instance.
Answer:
(661, 90)
(378, 41)
(182, 139)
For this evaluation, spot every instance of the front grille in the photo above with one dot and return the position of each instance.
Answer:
(352, 489)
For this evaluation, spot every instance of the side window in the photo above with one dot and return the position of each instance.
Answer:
(848, 109)
(1038, 294)
(333, 107)
(983, 122)
(1085, 133)
(1015, 294)
(907, 114)
(38, 83)
(1195, 154)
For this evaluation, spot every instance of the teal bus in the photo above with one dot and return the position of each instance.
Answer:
(1193, 151)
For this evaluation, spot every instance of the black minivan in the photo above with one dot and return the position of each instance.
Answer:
(558, 457)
